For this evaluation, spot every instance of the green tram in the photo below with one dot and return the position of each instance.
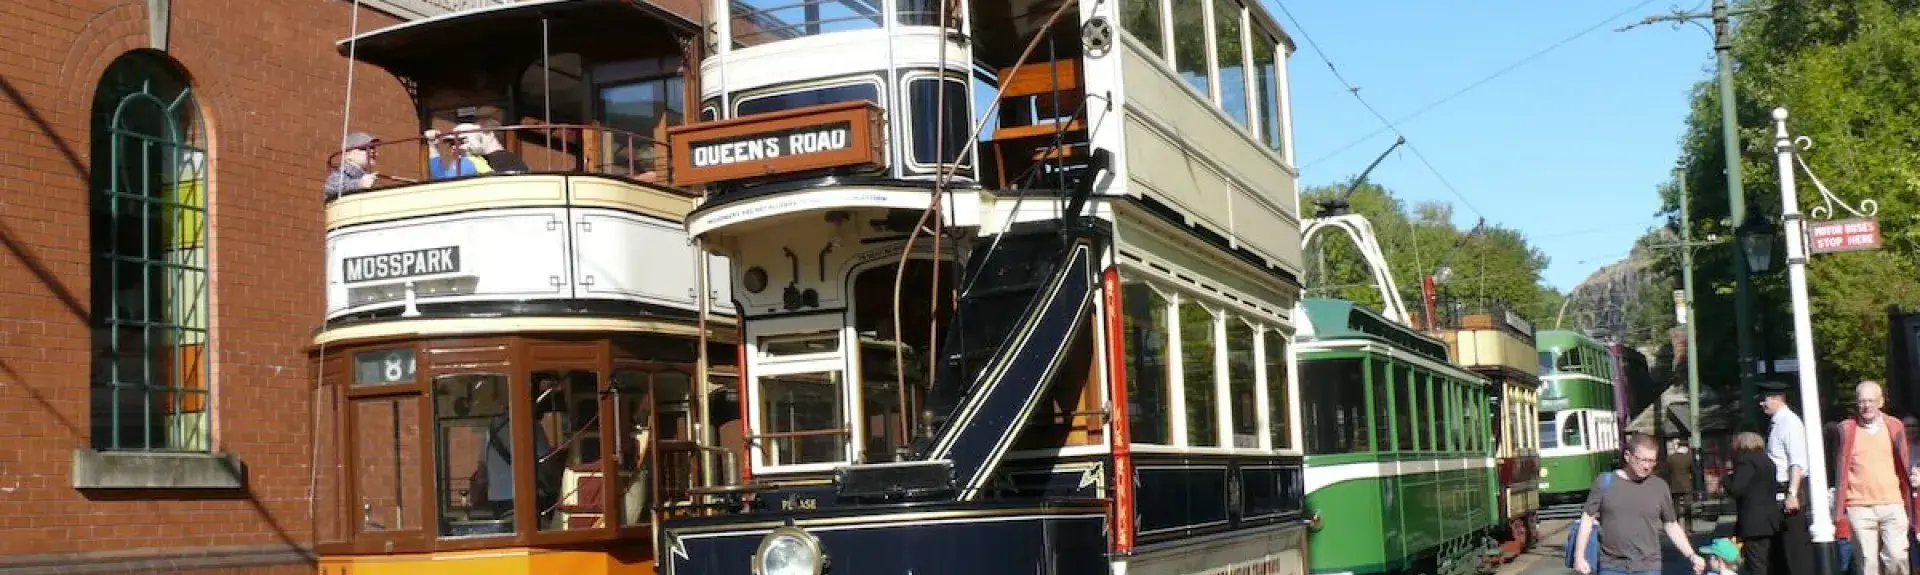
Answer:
(1399, 449)
(1579, 427)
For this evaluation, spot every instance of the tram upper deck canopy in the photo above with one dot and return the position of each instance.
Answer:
(513, 31)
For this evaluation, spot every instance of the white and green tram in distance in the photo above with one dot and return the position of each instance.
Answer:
(1579, 424)
(1400, 474)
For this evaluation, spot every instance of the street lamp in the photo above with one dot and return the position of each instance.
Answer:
(1756, 241)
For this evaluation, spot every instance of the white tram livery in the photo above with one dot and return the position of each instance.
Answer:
(1015, 282)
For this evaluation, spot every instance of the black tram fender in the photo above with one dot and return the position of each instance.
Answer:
(923, 539)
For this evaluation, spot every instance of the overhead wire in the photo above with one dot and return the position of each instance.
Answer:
(1355, 91)
(1477, 83)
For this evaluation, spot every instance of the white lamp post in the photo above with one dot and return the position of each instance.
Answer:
(1795, 231)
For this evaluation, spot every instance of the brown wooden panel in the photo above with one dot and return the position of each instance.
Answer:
(797, 140)
(467, 354)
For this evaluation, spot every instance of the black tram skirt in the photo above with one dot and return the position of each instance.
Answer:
(920, 539)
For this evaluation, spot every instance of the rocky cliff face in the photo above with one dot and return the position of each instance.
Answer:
(1604, 304)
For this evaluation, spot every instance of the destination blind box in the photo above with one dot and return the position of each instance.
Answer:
(840, 135)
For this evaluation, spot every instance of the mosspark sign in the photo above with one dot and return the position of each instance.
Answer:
(845, 134)
(1843, 235)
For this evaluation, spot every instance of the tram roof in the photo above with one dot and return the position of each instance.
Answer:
(1340, 319)
(506, 28)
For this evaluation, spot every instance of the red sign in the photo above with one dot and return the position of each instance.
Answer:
(1844, 235)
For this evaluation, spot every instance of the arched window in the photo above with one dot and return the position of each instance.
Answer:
(149, 260)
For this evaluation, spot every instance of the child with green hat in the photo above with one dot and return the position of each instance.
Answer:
(1723, 556)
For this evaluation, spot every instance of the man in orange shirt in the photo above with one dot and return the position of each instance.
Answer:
(1872, 508)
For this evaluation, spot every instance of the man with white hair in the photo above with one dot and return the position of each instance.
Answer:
(1872, 507)
(484, 149)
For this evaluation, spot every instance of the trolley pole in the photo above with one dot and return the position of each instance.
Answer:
(1736, 197)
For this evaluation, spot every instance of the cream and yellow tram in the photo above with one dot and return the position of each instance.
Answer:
(517, 370)
(1063, 350)
(1493, 341)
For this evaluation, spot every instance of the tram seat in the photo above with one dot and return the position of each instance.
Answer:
(1051, 92)
(583, 486)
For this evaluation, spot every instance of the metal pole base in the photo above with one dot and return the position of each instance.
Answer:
(1825, 560)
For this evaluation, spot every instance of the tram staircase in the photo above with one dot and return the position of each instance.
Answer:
(996, 366)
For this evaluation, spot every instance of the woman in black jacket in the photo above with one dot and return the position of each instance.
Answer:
(1757, 515)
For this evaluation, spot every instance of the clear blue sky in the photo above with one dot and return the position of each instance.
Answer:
(1568, 147)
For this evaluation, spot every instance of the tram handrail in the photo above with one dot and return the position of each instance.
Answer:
(547, 149)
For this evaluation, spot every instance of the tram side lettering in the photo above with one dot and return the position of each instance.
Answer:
(401, 264)
(766, 146)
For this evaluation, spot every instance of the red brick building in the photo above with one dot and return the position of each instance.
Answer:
(161, 272)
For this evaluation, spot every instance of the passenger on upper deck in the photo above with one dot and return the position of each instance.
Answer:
(453, 165)
(487, 153)
(356, 170)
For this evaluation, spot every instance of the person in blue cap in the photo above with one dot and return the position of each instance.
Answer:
(1723, 556)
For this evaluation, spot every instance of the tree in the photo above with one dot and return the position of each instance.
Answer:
(1849, 73)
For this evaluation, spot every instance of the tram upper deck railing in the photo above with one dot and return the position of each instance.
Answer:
(553, 149)
(587, 224)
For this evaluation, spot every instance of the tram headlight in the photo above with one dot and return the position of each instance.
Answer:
(789, 551)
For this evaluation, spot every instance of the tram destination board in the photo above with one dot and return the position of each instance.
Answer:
(798, 140)
(410, 263)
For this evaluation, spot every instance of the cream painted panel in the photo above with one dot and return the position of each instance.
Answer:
(1201, 162)
(1206, 262)
(1267, 230)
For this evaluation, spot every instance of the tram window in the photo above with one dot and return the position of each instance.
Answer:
(810, 344)
(919, 12)
(1546, 363)
(631, 393)
(923, 97)
(1266, 92)
(1141, 18)
(1240, 384)
(1333, 408)
(774, 20)
(1549, 431)
(643, 108)
(1198, 377)
(1279, 393)
(1146, 323)
(1573, 434)
(1231, 59)
(1190, 45)
(803, 98)
(1424, 385)
(567, 479)
(386, 472)
(475, 453)
(803, 418)
(1403, 413)
(1382, 423)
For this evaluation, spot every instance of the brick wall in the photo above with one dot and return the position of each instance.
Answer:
(271, 88)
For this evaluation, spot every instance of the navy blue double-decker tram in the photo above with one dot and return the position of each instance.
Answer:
(1056, 342)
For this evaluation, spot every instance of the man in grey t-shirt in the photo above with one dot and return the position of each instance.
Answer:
(1632, 510)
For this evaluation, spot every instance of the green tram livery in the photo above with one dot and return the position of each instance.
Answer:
(1399, 447)
(1579, 428)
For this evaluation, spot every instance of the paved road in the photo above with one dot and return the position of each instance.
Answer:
(1549, 556)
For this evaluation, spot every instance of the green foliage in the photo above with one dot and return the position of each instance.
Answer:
(1495, 265)
(1848, 71)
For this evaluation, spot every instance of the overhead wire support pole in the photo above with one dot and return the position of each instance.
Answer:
(1722, 32)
